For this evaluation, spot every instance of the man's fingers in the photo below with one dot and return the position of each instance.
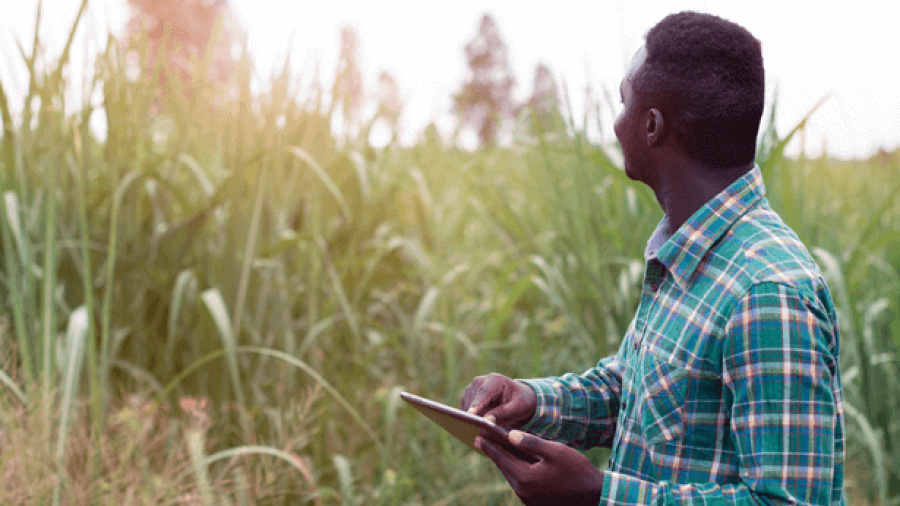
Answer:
(485, 399)
(506, 462)
(476, 409)
(499, 412)
(471, 398)
(496, 454)
(528, 443)
(493, 451)
(469, 394)
(495, 409)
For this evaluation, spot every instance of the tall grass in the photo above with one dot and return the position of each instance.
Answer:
(218, 296)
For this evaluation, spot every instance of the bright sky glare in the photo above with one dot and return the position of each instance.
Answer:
(848, 51)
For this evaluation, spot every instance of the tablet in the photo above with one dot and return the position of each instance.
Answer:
(460, 424)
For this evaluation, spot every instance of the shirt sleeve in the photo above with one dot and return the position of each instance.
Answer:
(781, 375)
(579, 410)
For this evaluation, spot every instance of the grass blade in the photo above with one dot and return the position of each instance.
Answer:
(875, 447)
(199, 467)
(214, 302)
(13, 387)
(245, 450)
(249, 253)
(320, 172)
(106, 310)
(76, 337)
(339, 291)
(18, 286)
(185, 285)
(424, 310)
(9, 137)
(11, 203)
(48, 314)
(345, 476)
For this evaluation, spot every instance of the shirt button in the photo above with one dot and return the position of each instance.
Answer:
(654, 287)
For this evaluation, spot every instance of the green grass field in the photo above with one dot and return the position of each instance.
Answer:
(219, 303)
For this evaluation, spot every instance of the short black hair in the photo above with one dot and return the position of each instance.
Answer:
(705, 74)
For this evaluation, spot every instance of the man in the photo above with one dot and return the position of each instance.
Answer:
(726, 388)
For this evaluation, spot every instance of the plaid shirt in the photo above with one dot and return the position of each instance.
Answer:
(726, 388)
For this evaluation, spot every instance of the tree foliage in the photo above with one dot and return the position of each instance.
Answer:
(485, 99)
(543, 106)
(184, 33)
(388, 107)
(347, 94)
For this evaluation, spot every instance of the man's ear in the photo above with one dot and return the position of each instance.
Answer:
(655, 127)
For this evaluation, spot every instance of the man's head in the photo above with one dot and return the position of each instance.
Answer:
(704, 77)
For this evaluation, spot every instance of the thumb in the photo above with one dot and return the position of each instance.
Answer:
(529, 443)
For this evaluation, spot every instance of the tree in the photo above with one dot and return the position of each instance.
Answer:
(347, 93)
(184, 31)
(485, 99)
(389, 107)
(388, 96)
(543, 106)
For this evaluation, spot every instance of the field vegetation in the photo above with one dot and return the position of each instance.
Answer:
(219, 301)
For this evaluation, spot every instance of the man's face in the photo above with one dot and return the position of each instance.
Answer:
(628, 123)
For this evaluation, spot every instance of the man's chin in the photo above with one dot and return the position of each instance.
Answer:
(630, 173)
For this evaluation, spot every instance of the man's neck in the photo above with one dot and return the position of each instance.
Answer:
(684, 188)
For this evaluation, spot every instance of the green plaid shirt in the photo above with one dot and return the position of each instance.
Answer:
(726, 388)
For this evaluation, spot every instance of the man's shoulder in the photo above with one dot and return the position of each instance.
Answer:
(762, 248)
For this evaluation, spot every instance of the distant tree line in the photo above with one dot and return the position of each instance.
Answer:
(186, 31)
(485, 101)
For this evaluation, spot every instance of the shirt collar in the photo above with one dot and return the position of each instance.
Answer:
(682, 251)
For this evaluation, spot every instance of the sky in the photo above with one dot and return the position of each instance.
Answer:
(848, 52)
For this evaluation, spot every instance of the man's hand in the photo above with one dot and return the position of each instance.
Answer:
(506, 402)
(560, 475)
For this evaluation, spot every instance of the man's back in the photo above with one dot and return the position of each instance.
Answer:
(726, 388)
(727, 376)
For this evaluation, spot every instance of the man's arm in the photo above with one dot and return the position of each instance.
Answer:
(781, 375)
(579, 410)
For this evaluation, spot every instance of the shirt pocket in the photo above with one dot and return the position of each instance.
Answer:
(662, 392)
